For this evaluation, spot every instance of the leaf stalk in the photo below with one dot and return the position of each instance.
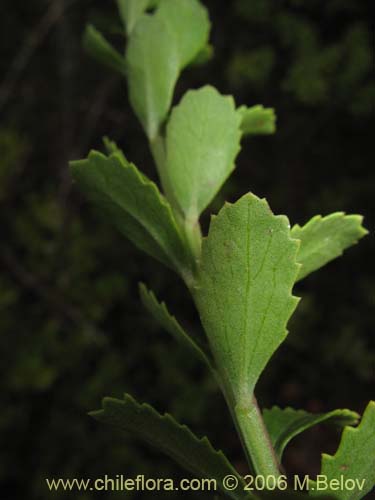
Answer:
(256, 439)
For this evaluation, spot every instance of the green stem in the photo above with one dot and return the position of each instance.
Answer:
(255, 437)
(157, 147)
(194, 236)
(231, 408)
(190, 227)
(255, 441)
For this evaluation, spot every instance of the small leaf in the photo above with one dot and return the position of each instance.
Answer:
(188, 21)
(134, 205)
(203, 140)
(284, 424)
(324, 239)
(244, 289)
(130, 11)
(177, 441)
(111, 147)
(153, 68)
(162, 316)
(354, 460)
(203, 56)
(257, 120)
(159, 47)
(101, 50)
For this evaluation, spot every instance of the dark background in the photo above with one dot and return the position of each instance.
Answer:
(72, 329)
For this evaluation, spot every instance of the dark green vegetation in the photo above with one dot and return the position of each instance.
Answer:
(72, 327)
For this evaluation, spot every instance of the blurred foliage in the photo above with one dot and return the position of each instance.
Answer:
(316, 60)
(72, 329)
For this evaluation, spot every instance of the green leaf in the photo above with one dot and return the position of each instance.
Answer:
(130, 11)
(354, 461)
(204, 55)
(152, 4)
(284, 424)
(111, 148)
(195, 455)
(177, 441)
(134, 205)
(257, 120)
(153, 68)
(244, 289)
(162, 316)
(203, 140)
(325, 238)
(188, 21)
(101, 50)
(159, 47)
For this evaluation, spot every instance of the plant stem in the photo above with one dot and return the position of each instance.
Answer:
(194, 236)
(255, 437)
(231, 408)
(190, 225)
(255, 441)
(157, 147)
